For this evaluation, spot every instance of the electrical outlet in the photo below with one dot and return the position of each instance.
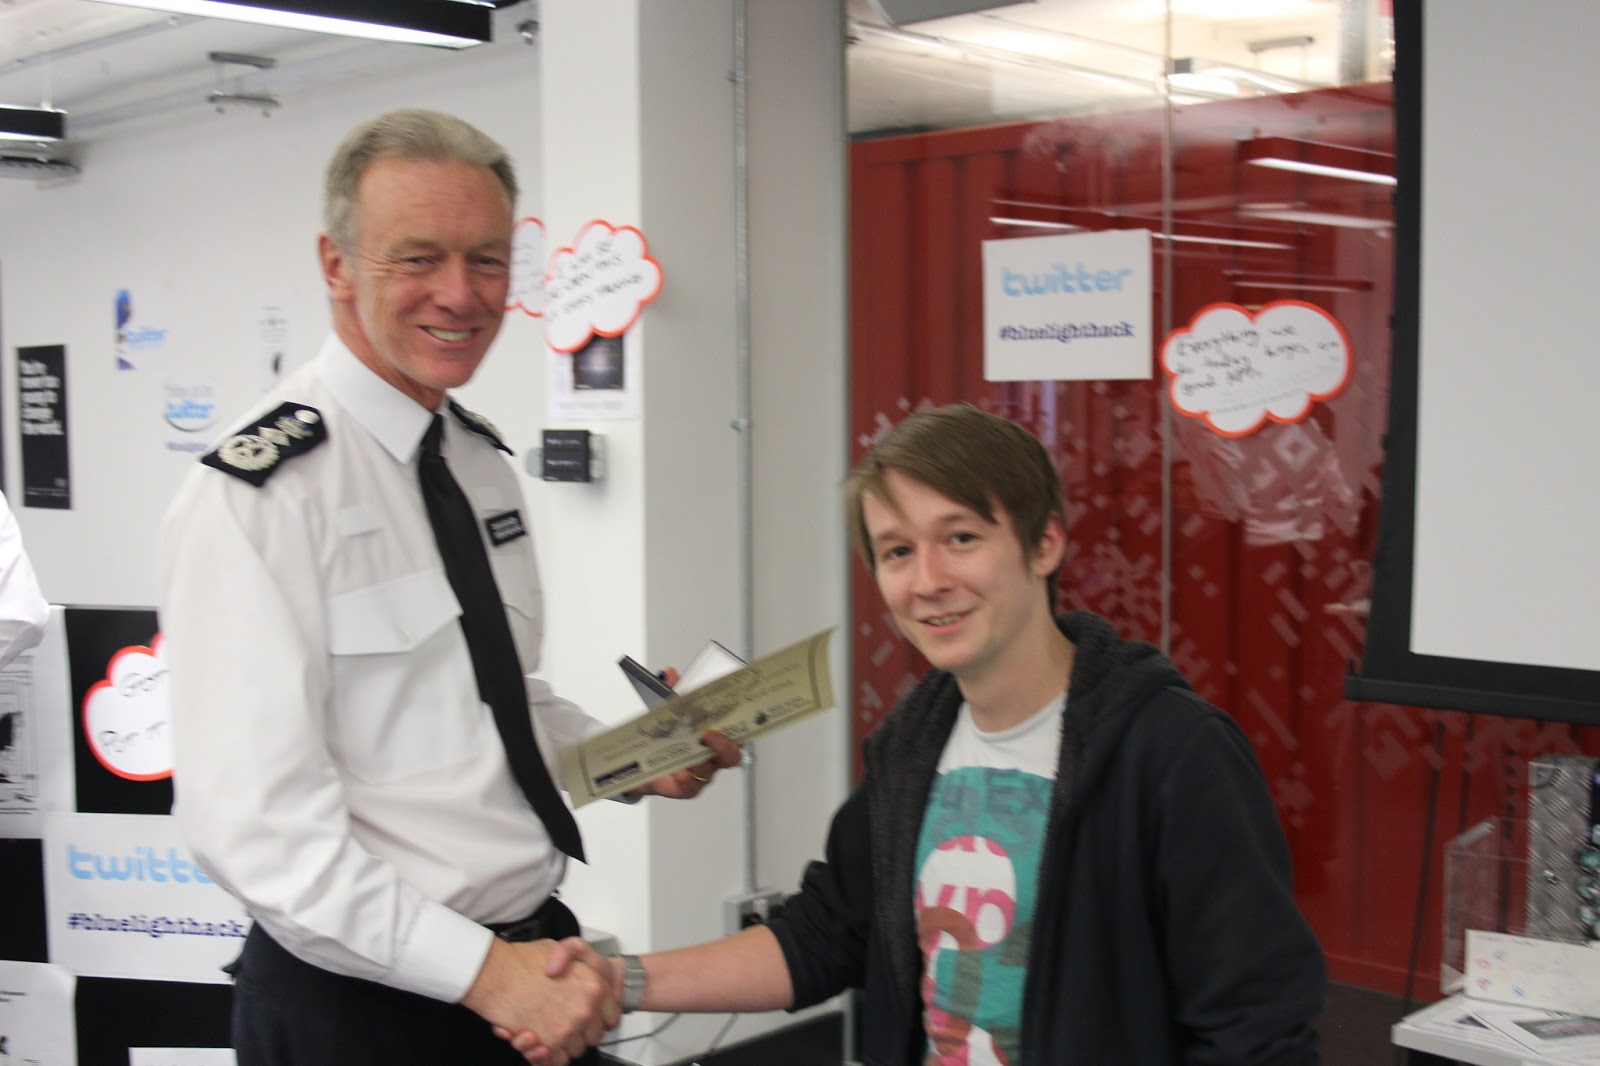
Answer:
(751, 908)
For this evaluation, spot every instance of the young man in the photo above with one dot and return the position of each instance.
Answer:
(1059, 855)
(351, 601)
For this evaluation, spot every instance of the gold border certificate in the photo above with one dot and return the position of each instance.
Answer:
(770, 693)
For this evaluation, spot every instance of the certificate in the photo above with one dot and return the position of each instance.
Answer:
(771, 692)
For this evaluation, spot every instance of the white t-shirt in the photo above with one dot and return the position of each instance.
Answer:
(978, 860)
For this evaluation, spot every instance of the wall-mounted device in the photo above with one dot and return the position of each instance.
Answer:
(568, 455)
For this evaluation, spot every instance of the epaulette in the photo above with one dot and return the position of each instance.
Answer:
(253, 453)
(479, 425)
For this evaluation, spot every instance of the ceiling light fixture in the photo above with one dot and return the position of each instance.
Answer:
(1188, 76)
(443, 23)
(972, 52)
(265, 103)
(1001, 221)
(1278, 213)
(1258, 279)
(1181, 238)
(238, 95)
(21, 166)
(32, 123)
(1227, 242)
(1269, 44)
(1323, 160)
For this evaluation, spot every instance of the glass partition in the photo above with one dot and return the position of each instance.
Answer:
(1254, 141)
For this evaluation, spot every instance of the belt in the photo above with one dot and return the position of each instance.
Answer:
(534, 927)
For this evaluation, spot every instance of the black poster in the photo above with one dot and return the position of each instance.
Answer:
(42, 420)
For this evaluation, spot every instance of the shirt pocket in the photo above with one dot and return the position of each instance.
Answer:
(516, 575)
(405, 701)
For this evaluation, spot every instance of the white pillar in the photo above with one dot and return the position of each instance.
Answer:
(638, 122)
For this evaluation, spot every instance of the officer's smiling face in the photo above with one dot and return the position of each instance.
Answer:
(421, 294)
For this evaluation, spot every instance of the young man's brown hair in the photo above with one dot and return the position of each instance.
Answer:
(975, 458)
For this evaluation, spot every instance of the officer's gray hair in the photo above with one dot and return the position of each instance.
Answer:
(408, 133)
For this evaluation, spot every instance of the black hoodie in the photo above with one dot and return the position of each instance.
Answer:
(1166, 929)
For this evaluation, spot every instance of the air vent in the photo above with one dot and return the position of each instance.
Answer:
(21, 166)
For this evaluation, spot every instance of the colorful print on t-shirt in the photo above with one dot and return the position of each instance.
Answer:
(977, 882)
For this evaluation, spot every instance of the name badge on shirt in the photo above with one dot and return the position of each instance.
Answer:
(505, 528)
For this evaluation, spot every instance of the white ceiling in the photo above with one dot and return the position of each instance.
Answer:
(111, 66)
(1056, 57)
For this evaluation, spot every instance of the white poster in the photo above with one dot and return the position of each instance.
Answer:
(124, 898)
(36, 734)
(36, 1024)
(598, 381)
(140, 338)
(271, 343)
(189, 411)
(1071, 307)
(180, 1056)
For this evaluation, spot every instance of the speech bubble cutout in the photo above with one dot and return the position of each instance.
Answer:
(125, 715)
(527, 268)
(598, 285)
(1235, 370)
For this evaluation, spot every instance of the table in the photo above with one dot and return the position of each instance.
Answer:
(1440, 1033)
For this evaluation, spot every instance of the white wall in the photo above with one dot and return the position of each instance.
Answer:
(205, 216)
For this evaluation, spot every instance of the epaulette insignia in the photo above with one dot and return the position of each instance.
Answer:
(479, 425)
(253, 453)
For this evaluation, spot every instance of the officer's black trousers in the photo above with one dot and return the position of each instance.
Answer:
(290, 1013)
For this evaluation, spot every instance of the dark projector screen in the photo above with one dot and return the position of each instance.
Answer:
(1486, 582)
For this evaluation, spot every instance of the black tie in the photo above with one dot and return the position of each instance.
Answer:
(494, 654)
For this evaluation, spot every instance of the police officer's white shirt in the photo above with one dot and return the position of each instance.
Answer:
(23, 610)
(335, 768)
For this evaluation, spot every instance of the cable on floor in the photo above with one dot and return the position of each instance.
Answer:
(717, 1040)
(642, 1036)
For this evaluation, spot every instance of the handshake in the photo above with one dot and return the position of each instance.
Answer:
(552, 1000)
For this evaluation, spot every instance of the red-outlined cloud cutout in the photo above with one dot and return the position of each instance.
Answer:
(1236, 370)
(527, 268)
(126, 714)
(599, 284)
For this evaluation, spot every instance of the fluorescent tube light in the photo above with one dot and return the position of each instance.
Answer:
(1325, 171)
(1229, 242)
(1207, 85)
(1000, 221)
(1324, 160)
(1303, 286)
(1232, 242)
(443, 23)
(1262, 279)
(1316, 218)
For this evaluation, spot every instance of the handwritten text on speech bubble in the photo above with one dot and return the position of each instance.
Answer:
(598, 285)
(527, 267)
(1236, 370)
